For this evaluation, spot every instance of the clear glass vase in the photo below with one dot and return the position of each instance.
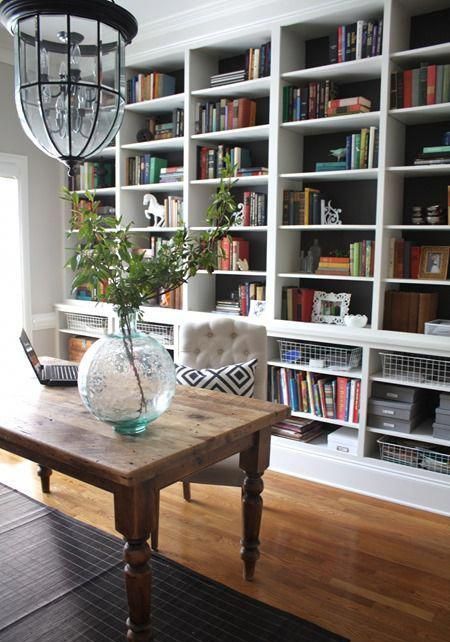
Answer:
(127, 380)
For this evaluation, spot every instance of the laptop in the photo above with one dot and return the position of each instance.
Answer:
(50, 375)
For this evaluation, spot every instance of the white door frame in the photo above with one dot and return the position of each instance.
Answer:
(15, 166)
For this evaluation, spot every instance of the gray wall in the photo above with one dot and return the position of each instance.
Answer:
(45, 177)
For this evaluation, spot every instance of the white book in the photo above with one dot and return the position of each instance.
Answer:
(372, 134)
(351, 404)
(359, 34)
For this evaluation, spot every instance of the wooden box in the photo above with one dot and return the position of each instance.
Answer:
(78, 346)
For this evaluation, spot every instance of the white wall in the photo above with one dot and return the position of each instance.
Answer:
(45, 212)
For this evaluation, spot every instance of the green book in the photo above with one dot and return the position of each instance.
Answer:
(438, 149)
(155, 168)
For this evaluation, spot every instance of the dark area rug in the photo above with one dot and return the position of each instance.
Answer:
(61, 581)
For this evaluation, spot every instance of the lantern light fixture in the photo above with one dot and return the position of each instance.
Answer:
(69, 60)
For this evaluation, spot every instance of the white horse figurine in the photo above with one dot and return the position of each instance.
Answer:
(154, 209)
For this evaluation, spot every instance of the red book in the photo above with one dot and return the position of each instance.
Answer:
(414, 261)
(229, 113)
(407, 88)
(246, 109)
(339, 46)
(357, 400)
(304, 304)
(341, 397)
(225, 261)
(246, 210)
(240, 251)
(431, 84)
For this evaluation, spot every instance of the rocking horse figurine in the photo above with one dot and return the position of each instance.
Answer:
(155, 210)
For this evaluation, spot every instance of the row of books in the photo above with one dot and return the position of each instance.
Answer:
(362, 258)
(171, 129)
(173, 211)
(234, 253)
(144, 169)
(296, 303)
(211, 159)
(311, 101)
(361, 152)
(409, 311)
(226, 113)
(239, 303)
(173, 299)
(404, 259)
(300, 429)
(93, 175)
(361, 39)
(172, 174)
(434, 155)
(425, 85)
(256, 61)
(254, 208)
(316, 394)
(146, 86)
(304, 207)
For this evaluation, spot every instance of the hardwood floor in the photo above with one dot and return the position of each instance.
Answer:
(370, 570)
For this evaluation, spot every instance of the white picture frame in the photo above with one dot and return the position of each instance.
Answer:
(257, 309)
(326, 305)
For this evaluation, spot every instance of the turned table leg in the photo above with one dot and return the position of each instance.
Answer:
(133, 517)
(44, 473)
(254, 462)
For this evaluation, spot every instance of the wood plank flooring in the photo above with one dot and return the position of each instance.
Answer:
(370, 570)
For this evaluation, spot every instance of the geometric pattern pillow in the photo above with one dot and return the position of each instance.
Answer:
(237, 379)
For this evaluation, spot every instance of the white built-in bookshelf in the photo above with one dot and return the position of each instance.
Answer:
(375, 204)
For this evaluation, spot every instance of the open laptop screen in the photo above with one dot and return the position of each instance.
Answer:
(29, 351)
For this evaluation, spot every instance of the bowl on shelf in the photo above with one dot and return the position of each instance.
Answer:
(355, 320)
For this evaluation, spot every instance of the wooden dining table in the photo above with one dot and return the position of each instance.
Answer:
(51, 427)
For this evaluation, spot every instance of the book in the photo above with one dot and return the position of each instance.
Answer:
(331, 166)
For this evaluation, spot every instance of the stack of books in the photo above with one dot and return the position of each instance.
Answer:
(437, 155)
(345, 106)
(316, 394)
(170, 129)
(308, 102)
(234, 252)
(149, 86)
(361, 152)
(227, 113)
(361, 39)
(425, 85)
(362, 257)
(227, 306)
(228, 78)
(334, 265)
(255, 208)
(409, 311)
(252, 171)
(144, 169)
(173, 174)
(299, 429)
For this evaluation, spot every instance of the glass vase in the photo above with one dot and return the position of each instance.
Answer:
(127, 380)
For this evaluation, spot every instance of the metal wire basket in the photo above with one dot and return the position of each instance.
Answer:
(332, 356)
(86, 322)
(410, 367)
(415, 454)
(159, 331)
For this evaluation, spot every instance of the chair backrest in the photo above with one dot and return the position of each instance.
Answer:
(223, 341)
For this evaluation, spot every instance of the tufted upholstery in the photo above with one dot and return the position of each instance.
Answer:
(219, 342)
(222, 342)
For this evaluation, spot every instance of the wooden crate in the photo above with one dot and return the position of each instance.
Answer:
(78, 346)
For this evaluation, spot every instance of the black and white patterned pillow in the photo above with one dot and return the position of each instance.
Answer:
(237, 379)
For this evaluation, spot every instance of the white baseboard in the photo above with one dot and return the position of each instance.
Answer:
(361, 476)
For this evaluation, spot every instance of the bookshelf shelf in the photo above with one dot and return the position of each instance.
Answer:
(100, 191)
(237, 272)
(166, 144)
(333, 123)
(256, 88)
(351, 71)
(420, 170)
(435, 53)
(420, 228)
(157, 105)
(418, 281)
(82, 333)
(423, 432)
(240, 180)
(422, 114)
(331, 277)
(235, 228)
(328, 228)
(137, 230)
(325, 420)
(242, 134)
(107, 153)
(354, 374)
(154, 187)
(413, 384)
(343, 175)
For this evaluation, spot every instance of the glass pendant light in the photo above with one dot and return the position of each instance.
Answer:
(69, 72)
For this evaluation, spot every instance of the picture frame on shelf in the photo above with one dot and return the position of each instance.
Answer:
(434, 262)
(330, 307)
(257, 310)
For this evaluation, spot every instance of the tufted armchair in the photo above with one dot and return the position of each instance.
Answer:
(218, 342)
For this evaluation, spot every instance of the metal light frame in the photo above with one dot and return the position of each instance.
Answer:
(102, 12)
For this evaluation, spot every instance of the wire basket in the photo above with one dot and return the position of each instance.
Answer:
(415, 454)
(415, 368)
(296, 352)
(159, 331)
(86, 323)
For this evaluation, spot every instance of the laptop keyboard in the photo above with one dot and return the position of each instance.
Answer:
(62, 373)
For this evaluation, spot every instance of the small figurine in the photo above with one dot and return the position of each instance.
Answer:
(339, 153)
(155, 210)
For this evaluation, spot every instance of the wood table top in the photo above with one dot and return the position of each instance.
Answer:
(52, 421)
